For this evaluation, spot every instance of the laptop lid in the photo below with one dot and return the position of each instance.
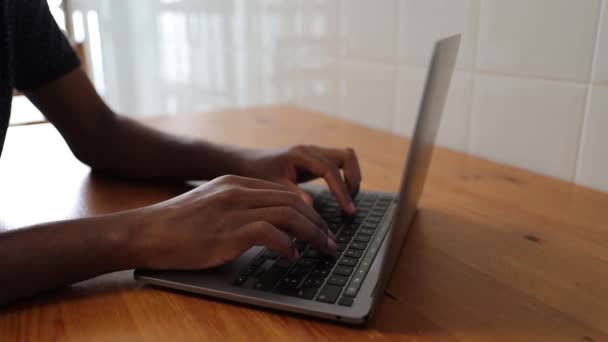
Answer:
(421, 149)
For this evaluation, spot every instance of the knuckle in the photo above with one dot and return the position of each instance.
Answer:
(229, 194)
(332, 171)
(262, 230)
(296, 148)
(350, 153)
(229, 179)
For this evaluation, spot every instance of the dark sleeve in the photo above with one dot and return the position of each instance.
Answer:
(42, 52)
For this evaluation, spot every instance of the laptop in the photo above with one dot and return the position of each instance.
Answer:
(347, 287)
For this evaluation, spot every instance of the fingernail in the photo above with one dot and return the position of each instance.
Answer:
(352, 207)
(331, 235)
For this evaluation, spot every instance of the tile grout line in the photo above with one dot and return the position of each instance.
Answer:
(359, 60)
(396, 64)
(340, 61)
(474, 76)
(577, 168)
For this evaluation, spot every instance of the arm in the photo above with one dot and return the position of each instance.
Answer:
(199, 229)
(54, 254)
(202, 228)
(120, 146)
(117, 145)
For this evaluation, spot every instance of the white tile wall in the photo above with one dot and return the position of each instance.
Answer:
(542, 38)
(367, 93)
(526, 73)
(369, 30)
(422, 22)
(601, 60)
(318, 85)
(454, 129)
(593, 162)
(528, 123)
(319, 27)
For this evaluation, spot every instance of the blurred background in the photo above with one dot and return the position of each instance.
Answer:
(531, 87)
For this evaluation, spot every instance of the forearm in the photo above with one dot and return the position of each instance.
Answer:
(120, 146)
(129, 149)
(51, 255)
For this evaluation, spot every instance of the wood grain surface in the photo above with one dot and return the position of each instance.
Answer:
(495, 254)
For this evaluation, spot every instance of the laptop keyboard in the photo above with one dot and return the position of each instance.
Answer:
(320, 277)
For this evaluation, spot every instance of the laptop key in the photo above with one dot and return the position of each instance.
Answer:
(344, 238)
(292, 280)
(367, 231)
(346, 301)
(327, 263)
(313, 281)
(334, 227)
(307, 292)
(240, 280)
(362, 238)
(268, 254)
(347, 232)
(283, 263)
(258, 261)
(269, 279)
(249, 271)
(320, 272)
(311, 253)
(337, 280)
(351, 291)
(369, 225)
(343, 270)
(299, 271)
(375, 220)
(306, 262)
(340, 247)
(258, 272)
(346, 261)
(358, 245)
(329, 294)
(353, 253)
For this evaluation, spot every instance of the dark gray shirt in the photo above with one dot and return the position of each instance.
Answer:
(33, 52)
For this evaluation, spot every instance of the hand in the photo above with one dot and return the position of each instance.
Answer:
(298, 164)
(220, 220)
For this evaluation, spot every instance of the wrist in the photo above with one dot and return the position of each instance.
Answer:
(232, 161)
(125, 230)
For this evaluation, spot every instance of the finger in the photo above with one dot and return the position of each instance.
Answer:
(294, 223)
(262, 233)
(347, 160)
(320, 166)
(251, 183)
(301, 192)
(313, 215)
(257, 199)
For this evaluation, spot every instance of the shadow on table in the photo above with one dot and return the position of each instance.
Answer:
(461, 278)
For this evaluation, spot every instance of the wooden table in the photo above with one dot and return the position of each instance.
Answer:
(496, 253)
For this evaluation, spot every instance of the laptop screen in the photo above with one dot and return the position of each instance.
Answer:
(421, 148)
